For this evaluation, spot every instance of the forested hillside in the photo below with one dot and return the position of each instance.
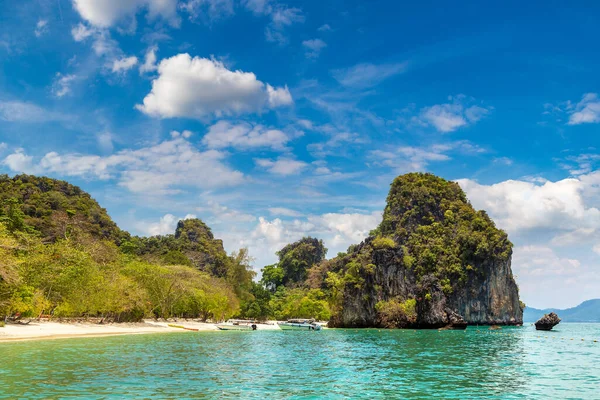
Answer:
(62, 255)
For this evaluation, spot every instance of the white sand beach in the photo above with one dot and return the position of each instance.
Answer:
(60, 330)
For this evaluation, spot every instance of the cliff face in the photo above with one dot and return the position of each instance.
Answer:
(432, 262)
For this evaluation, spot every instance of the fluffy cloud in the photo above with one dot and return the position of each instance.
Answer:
(107, 13)
(586, 111)
(244, 136)
(521, 205)
(124, 64)
(200, 87)
(313, 47)
(163, 168)
(367, 75)
(449, 117)
(282, 166)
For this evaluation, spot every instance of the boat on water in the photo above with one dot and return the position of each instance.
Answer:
(299, 325)
(237, 325)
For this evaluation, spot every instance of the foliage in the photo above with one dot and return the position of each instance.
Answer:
(258, 307)
(395, 313)
(52, 208)
(382, 242)
(300, 303)
(295, 260)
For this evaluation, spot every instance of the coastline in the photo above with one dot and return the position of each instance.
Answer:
(45, 330)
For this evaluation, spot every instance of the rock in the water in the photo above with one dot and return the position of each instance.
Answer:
(547, 322)
(432, 249)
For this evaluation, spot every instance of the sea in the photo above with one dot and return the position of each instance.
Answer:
(478, 363)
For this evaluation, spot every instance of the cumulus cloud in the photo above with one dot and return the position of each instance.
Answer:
(124, 64)
(449, 117)
(107, 13)
(201, 87)
(281, 166)
(81, 32)
(367, 75)
(159, 169)
(244, 136)
(313, 47)
(325, 28)
(522, 205)
(587, 111)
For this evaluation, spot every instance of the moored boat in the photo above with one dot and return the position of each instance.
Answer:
(237, 325)
(299, 325)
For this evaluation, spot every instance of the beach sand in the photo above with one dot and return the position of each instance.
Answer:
(38, 330)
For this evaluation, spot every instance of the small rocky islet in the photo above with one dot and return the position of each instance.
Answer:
(547, 322)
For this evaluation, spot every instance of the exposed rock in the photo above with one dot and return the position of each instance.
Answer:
(431, 247)
(547, 322)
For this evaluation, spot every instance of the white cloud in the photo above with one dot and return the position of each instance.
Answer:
(224, 214)
(41, 28)
(200, 87)
(520, 205)
(18, 111)
(62, 84)
(409, 158)
(586, 111)
(539, 261)
(19, 161)
(244, 136)
(81, 32)
(325, 28)
(124, 64)
(149, 64)
(449, 117)
(107, 13)
(313, 47)
(367, 75)
(282, 166)
(279, 97)
(159, 169)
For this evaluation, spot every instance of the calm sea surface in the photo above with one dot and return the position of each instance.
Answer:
(477, 363)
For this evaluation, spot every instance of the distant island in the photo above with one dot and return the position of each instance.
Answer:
(433, 262)
(588, 311)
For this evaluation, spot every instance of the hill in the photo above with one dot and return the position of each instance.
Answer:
(588, 311)
(432, 261)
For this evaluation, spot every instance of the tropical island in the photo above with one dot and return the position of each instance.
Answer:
(433, 262)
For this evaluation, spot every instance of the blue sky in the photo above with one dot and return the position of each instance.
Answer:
(272, 120)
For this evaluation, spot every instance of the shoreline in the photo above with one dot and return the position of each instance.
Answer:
(48, 330)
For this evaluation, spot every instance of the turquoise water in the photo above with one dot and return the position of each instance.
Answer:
(477, 363)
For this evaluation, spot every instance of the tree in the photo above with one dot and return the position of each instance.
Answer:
(296, 258)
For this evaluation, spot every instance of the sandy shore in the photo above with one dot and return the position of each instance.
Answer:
(55, 330)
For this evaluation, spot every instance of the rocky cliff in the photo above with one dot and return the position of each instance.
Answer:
(432, 262)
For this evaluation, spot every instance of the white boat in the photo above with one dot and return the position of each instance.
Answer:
(299, 325)
(237, 325)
